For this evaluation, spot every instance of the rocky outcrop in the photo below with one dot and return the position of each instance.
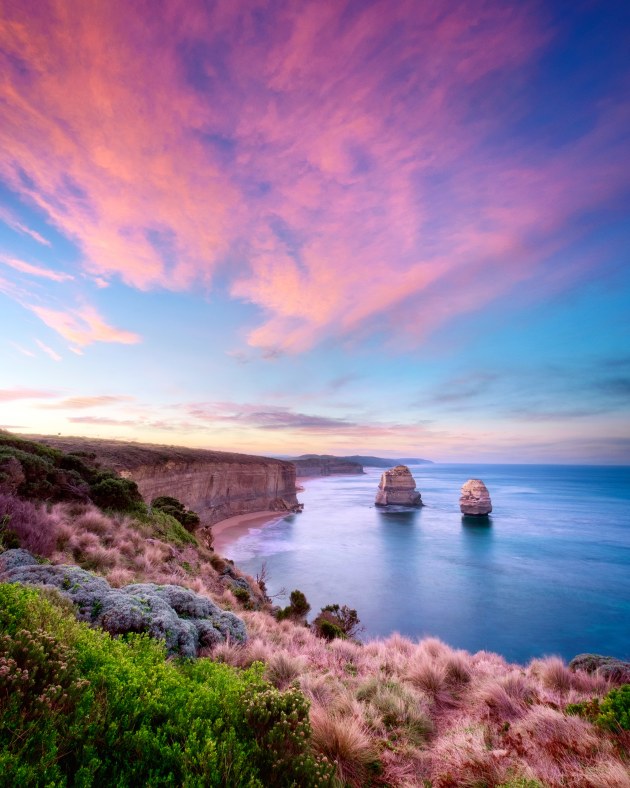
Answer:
(398, 488)
(475, 499)
(325, 465)
(615, 670)
(215, 484)
(185, 621)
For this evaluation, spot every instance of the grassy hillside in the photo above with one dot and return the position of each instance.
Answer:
(387, 712)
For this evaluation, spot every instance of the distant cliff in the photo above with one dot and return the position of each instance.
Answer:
(214, 484)
(329, 464)
(324, 465)
(386, 462)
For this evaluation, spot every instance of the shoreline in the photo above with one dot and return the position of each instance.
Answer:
(226, 532)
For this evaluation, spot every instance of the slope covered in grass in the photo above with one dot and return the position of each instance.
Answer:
(388, 712)
(78, 707)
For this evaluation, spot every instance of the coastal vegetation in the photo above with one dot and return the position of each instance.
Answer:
(78, 706)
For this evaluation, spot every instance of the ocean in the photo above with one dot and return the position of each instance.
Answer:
(548, 573)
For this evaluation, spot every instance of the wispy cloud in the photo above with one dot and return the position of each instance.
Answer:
(104, 421)
(24, 351)
(348, 161)
(48, 350)
(11, 220)
(13, 395)
(35, 270)
(83, 326)
(80, 403)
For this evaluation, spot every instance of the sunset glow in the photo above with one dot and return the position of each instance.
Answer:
(375, 227)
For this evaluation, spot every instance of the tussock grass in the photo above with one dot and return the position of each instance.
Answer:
(388, 712)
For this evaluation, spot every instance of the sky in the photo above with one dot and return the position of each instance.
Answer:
(336, 226)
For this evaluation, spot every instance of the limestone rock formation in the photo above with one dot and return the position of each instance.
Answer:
(475, 499)
(185, 621)
(615, 670)
(398, 487)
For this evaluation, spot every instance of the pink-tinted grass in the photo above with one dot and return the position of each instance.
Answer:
(32, 525)
(407, 712)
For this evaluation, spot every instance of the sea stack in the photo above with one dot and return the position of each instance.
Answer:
(398, 488)
(475, 499)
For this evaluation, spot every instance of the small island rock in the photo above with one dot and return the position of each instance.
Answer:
(398, 487)
(475, 499)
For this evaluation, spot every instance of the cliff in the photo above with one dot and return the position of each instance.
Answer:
(324, 465)
(386, 462)
(214, 484)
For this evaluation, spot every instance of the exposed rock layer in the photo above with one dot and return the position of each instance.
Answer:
(185, 621)
(475, 499)
(215, 484)
(398, 487)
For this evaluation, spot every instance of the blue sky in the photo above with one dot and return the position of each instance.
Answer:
(330, 227)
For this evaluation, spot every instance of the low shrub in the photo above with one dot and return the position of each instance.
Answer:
(34, 471)
(78, 707)
(611, 712)
(113, 492)
(297, 609)
(167, 528)
(186, 517)
(280, 722)
(334, 621)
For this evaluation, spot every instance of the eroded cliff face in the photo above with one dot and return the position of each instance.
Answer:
(214, 484)
(220, 489)
(325, 466)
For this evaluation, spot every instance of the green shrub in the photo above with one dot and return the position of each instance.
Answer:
(280, 721)
(335, 621)
(51, 475)
(242, 594)
(167, 528)
(297, 609)
(615, 709)
(113, 492)
(80, 708)
(186, 517)
(327, 629)
(612, 712)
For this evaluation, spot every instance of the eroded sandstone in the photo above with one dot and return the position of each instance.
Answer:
(475, 499)
(398, 488)
(215, 484)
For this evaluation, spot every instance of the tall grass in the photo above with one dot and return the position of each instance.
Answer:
(388, 712)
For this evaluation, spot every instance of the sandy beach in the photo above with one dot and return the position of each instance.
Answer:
(226, 532)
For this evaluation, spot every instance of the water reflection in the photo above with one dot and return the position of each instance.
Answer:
(398, 516)
(482, 522)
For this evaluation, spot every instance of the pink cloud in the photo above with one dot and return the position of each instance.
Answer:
(48, 350)
(12, 395)
(83, 326)
(35, 270)
(23, 350)
(340, 162)
(10, 219)
(80, 403)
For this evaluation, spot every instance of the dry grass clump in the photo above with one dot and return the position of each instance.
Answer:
(283, 669)
(559, 748)
(465, 757)
(30, 525)
(124, 549)
(347, 743)
(390, 712)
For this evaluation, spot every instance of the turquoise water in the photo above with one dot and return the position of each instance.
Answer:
(548, 574)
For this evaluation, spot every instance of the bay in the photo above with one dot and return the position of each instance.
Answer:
(548, 573)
